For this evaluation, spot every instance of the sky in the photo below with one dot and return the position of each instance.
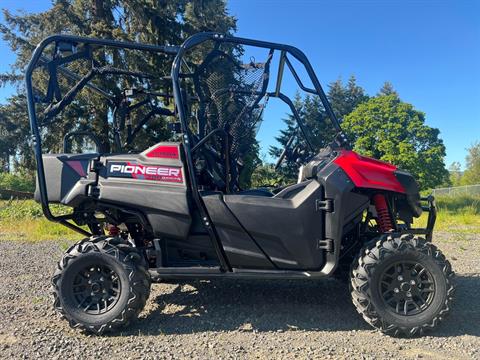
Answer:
(428, 49)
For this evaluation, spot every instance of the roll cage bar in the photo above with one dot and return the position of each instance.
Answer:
(54, 65)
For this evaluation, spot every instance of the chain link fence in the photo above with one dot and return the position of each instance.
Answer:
(458, 190)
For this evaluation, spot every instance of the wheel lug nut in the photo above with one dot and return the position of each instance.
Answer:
(400, 278)
(396, 290)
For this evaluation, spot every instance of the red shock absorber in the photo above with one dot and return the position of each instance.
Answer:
(113, 230)
(384, 219)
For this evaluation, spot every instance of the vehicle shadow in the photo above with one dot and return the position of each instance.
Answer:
(464, 318)
(273, 305)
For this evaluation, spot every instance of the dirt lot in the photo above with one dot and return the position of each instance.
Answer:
(230, 319)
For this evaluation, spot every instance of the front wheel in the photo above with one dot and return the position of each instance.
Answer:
(100, 284)
(402, 285)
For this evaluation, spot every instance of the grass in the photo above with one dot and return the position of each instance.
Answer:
(459, 204)
(463, 222)
(456, 214)
(36, 230)
(23, 219)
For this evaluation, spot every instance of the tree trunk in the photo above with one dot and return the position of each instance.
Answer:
(5, 163)
(97, 10)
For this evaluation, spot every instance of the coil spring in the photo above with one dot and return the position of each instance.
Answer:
(384, 219)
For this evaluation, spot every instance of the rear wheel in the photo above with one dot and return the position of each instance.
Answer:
(402, 285)
(100, 284)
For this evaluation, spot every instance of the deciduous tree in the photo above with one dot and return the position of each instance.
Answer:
(391, 130)
(455, 170)
(471, 175)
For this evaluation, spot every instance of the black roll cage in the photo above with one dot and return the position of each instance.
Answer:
(39, 60)
(189, 141)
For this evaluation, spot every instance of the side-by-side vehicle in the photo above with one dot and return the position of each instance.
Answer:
(161, 193)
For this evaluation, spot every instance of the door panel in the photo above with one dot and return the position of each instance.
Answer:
(287, 226)
(241, 250)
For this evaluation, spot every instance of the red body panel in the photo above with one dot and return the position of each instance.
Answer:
(369, 173)
(164, 152)
(78, 166)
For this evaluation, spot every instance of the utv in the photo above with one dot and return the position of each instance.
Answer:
(178, 209)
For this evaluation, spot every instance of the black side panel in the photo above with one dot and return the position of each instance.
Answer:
(196, 250)
(165, 207)
(412, 192)
(67, 177)
(241, 250)
(287, 227)
(347, 206)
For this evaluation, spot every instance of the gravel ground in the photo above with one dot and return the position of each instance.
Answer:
(229, 319)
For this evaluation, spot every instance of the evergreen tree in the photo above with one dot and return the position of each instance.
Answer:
(289, 169)
(155, 22)
(337, 94)
(387, 89)
(15, 134)
(343, 99)
(355, 95)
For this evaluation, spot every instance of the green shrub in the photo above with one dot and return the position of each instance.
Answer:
(17, 182)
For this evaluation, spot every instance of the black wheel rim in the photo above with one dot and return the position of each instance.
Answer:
(407, 288)
(96, 289)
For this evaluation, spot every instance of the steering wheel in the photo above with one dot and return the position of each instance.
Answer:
(213, 168)
(285, 151)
